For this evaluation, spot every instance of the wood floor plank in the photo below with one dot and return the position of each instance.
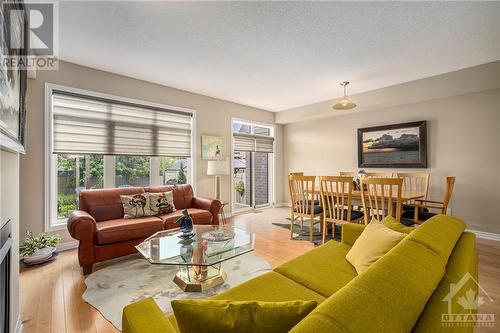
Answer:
(71, 297)
(58, 323)
(51, 294)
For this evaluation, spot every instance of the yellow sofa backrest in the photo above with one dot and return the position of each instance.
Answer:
(461, 271)
(391, 294)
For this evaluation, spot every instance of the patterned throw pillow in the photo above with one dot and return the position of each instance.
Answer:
(161, 203)
(136, 205)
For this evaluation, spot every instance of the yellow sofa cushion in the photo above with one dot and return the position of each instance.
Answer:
(440, 234)
(137, 318)
(373, 243)
(351, 232)
(270, 287)
(324, 269)
(221, 316)
(393, 224)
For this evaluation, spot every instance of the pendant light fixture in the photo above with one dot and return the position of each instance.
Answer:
(345, 103)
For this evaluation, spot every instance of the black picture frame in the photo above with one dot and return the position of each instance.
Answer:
(14, 139)
(414, 158)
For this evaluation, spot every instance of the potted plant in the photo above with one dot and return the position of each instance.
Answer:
(240, 188)
(37, 249)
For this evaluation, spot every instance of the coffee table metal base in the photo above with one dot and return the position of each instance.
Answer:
(199, 279)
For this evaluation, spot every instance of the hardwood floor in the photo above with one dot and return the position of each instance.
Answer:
(51, 294)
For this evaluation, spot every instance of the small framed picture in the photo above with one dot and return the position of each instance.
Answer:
(211, 147)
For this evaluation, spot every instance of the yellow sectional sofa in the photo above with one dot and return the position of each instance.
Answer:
(403, 291)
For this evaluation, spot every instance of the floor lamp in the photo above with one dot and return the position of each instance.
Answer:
(218, 169)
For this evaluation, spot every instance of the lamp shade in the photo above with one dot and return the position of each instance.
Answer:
(344, 104)
(218, 168)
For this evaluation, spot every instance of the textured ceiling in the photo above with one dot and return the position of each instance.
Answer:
(277, 55)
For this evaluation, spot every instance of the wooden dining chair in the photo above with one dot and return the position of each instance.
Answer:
(420, 215)
(381, 198)
(378, 174)
(336, 198)
(416, 183)
(303, 204)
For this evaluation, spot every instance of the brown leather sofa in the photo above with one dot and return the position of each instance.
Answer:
(104, 233)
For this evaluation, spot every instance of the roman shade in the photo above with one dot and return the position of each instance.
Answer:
(87, 125)
(252, 142)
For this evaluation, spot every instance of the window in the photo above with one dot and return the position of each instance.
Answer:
(132, 171)
(71, 179)
(253, 165)
(97, 141)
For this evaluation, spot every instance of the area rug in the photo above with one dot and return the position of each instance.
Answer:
(303, 234)
(121, 282)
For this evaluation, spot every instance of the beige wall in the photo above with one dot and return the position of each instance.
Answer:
(463, 140)
(9, 209)
(213, 118)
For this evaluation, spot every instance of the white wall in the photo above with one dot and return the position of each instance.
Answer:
(463, 140)
(9, 209)
(213, 118)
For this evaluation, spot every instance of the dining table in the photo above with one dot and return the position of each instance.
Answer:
(406, 195)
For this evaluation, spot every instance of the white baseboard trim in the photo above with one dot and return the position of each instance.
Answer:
(67, 246)
(19, 325)
(485, 235)
(282, 204)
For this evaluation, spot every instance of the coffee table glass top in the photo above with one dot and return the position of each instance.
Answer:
(166, 248)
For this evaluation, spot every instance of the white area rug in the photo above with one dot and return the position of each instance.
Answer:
(121, 282)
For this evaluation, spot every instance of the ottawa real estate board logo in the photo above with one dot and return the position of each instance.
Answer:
(29, 35)
(463, 305)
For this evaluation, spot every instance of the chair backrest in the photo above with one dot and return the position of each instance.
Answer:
(378, 174)
(448, 191)
(336, 195)
(417, 182)
(381, 197)
(290, 179)
(302, 192)
(347, 174)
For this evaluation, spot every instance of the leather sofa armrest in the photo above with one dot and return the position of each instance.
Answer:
(212, 205)
(145, 317)
(351, 232)
(81, 225)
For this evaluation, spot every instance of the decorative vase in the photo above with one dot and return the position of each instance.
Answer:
(186, 224)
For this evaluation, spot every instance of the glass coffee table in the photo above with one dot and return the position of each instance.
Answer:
(198, 259)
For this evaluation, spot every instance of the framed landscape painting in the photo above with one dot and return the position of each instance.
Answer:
(211, 147)
(393, 146)
(13, 80)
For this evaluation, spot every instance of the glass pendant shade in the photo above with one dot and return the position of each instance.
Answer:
(345, 103)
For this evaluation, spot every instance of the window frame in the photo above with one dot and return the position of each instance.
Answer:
(272, 163)
(51, 223)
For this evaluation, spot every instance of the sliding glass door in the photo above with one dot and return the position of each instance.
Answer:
(252, 166)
